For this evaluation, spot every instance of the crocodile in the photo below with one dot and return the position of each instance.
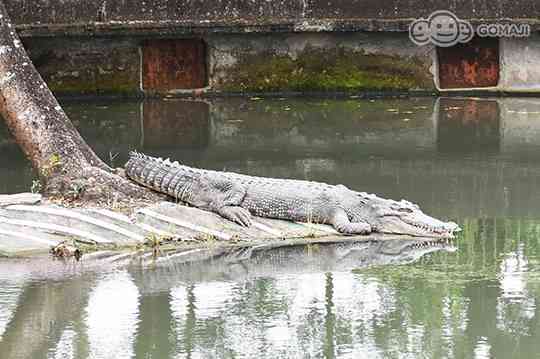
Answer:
(238, 197)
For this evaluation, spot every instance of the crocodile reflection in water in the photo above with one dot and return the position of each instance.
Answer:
(270, 260)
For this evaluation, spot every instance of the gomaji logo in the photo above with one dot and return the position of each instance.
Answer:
(443, 28)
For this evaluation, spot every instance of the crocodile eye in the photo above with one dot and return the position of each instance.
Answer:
(405, 209)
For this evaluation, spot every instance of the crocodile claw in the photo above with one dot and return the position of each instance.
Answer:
(351, 229)
(236, 214)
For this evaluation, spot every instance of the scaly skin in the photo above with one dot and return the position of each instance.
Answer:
(237, 197)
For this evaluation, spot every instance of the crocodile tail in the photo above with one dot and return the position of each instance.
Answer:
(136, 164)
(160, 175)
(135, 167)
(142, 169)
(135, 155)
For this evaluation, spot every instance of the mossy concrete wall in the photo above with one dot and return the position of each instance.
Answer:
(86, 65)
(318, 62)
(246, 63)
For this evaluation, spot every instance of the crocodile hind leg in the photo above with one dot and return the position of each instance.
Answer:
(343, 225)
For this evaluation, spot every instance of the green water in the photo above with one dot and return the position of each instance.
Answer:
(476, 162)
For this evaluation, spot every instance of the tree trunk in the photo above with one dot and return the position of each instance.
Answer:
(63, 160)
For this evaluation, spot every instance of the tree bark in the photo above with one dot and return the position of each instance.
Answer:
(61, 157)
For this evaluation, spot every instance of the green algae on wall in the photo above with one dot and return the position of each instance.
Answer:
(87, 67)
(91, 82)
(326, 70)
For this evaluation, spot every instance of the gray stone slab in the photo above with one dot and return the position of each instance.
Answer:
(32, 234)
(70, 218)
(292, 229)
(114, 218)
(162, 228)
(26, 228)
(66, 231)
(208, 220)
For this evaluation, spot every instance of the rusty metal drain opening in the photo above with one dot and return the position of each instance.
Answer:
(174, 64)
(468, 65)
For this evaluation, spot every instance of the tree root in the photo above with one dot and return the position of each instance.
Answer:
(95, 186)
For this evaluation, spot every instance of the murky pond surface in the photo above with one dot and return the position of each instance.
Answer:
(476, 162)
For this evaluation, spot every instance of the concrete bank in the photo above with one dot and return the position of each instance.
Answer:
(182, 47)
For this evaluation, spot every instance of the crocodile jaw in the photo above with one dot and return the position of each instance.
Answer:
(417, 225)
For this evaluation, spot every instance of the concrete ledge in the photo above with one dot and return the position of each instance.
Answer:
(167, 28)
(193, 28)
(191, 17)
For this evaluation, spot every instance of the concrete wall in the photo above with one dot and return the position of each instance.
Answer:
(520, 64)
(260, 46)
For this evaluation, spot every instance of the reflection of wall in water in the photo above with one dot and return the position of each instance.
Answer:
(467, 126)
(298, 128)
(15, 171)
(510, 126)
(175, 124)
(109, 128)
(520, 127)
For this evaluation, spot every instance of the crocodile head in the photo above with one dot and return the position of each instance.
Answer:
(404, 217)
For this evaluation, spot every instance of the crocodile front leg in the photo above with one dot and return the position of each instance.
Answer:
(236, 214)
(342, 224)
(226, 203)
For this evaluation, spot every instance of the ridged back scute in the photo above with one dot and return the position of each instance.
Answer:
(150, 171)
(161, 175)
